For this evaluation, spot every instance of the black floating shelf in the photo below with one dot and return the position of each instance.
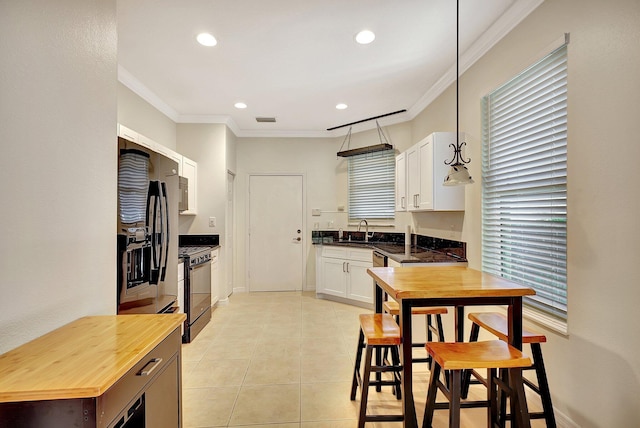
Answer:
(364, 150)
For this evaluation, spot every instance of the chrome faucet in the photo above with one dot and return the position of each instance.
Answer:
(366, 230)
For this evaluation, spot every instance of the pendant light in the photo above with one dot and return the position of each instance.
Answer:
(458, 173)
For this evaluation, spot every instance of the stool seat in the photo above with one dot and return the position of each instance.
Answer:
(493, 354)
(458, 357)
(496, 323)
(392, 307)
(380, 329)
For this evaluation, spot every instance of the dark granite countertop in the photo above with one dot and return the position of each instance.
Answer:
(397, 253)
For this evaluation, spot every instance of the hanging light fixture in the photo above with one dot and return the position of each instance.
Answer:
(458, 173)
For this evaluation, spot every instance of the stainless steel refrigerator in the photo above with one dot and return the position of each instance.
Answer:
(147, 230)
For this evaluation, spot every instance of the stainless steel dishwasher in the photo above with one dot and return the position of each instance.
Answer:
(379, 259)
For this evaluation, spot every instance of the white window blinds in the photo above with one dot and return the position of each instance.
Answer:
(524, 170)
(372, 185)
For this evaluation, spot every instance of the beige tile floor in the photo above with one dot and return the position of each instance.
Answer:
(285, 360)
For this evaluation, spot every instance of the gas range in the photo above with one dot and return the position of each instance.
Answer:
(197, 288)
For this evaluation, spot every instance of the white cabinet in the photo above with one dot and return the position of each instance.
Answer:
(425, 172)
(189, 169)
(360, 283)
(147, 142)
(186, 167)
(401, 182)
(165, 151)
(127, 133)
(181, 287)
(215, 276)
(342, 272)
(334, 278)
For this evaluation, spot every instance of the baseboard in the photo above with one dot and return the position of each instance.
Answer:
(345, 301)
(563, 421)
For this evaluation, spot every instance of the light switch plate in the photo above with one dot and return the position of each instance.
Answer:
(212, 222)
(315, 211)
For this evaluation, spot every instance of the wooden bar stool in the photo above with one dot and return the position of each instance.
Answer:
(393, 308)
(377, 331)
(459, 356)
(496, 323)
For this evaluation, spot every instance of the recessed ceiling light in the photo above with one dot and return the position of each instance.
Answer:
(240, 105)
(206, 39)
(365, 37)
(341, 106)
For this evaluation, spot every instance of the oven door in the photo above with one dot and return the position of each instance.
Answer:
(199, 290)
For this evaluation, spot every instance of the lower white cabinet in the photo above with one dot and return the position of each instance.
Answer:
(181, 287)
(181, 293)
(342, 272)
(215, 276)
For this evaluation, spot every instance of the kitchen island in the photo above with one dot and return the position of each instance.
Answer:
(98, 371)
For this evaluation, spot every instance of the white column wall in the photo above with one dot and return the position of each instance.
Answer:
(58, 165)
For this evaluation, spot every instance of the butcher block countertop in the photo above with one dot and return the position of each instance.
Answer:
(83, 358)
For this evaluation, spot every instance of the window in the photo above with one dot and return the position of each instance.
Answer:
(372, 186)
(524, 171)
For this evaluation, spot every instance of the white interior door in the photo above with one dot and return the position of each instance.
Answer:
(275, 232)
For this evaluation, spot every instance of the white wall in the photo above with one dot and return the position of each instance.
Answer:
(314, 157)
(325, 180)
(207, 145)
(594, 372)
(58, 164)
(137, 114)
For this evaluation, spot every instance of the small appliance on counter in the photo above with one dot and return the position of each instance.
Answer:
(195, 250)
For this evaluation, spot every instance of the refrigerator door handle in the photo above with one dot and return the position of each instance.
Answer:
(154, 192)
(164, 231)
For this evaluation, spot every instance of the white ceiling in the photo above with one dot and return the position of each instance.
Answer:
(296, 59)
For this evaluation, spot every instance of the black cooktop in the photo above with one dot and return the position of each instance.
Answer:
(198, 240)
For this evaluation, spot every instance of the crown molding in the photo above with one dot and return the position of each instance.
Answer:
(128, 80)
(518, 11)
(503, 25)
(210, 118)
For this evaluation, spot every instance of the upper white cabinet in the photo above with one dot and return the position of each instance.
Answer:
(159, 148)
(190, 171)
(186, 167)
(424, 167)
(127, 133)
(401, 182)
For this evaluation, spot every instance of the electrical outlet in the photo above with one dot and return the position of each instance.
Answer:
(212, 222)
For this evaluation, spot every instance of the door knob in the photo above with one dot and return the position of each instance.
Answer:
(298, 239)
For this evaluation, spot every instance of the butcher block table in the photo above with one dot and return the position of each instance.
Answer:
(93, 371)
(456, 286)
